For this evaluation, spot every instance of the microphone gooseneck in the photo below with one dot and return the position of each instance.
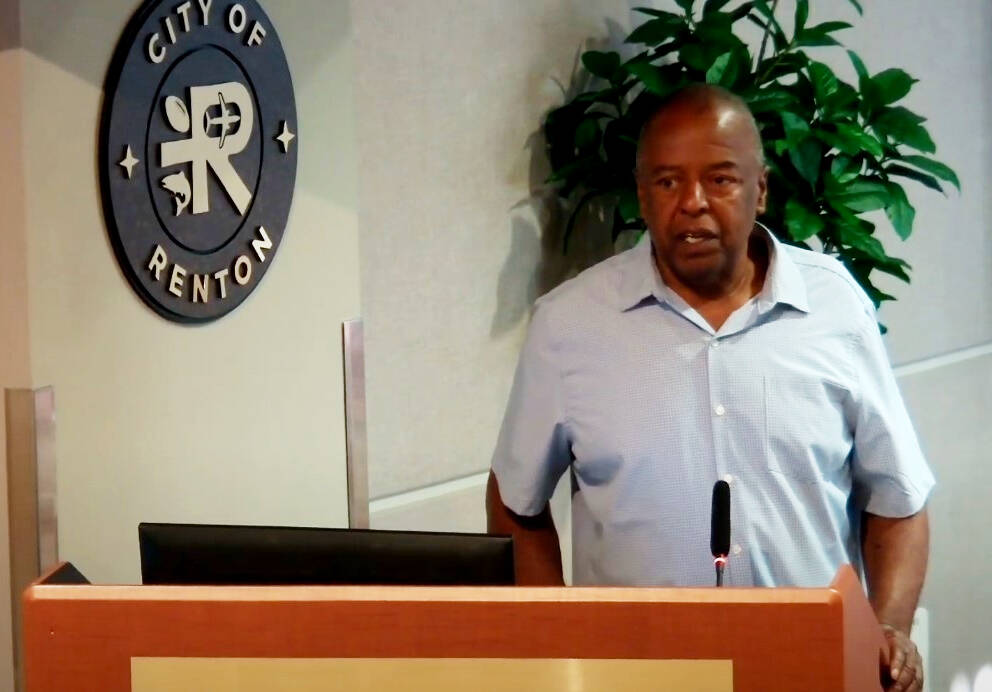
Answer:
(720, 528)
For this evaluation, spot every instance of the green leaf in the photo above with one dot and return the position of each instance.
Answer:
(860, 69)
(935, 167)
(770, 24)
(802, 14)
(796, 128)
(780, 65)
(913, 174)
(901, 113)
(891, 85)
(570, 173)
(900, 212)
(857, 6)
(894, 266)
(855, 237)
(656, 31)
(696, 56)
(686, 6)
(904, 127)
(714, 75)
(819, 35)
(651, 76)
(587, 134)
(811, 39)
(601, 64)
(741, 11)
(769, 100)
(825, 83)
(806, 158)
(844, 169)
(628, 205)
(779, 40)
(854, 140)
(711, 6)
(828, 27)
(843, 101)
(717, 33)
(801, 223)
(863, 195)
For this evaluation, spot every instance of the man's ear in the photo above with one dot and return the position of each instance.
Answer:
(762, 204)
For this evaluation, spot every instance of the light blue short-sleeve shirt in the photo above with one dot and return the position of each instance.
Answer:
(792, 401)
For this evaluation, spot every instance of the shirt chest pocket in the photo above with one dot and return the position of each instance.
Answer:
(806, 434)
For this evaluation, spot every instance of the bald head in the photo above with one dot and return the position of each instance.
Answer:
(703, 101)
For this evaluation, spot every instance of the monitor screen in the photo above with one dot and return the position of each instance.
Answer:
(213, 554)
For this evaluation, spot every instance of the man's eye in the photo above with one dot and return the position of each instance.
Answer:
(666, 183)
(724, 180)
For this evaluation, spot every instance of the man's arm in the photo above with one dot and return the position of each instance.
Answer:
(895, 556)
(536, 552)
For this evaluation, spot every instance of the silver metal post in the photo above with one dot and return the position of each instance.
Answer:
(353, 343)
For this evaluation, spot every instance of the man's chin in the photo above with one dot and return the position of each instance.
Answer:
(700, 277)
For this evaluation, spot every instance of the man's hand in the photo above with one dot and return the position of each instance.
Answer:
(902, 666)
(895, 552)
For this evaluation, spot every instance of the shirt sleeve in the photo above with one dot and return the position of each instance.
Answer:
(533, 449)
(888, 463)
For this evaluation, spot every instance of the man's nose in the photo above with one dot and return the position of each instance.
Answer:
(693, 201)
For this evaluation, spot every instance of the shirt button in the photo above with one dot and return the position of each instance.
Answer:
(714, 343)
(737, 549)
(720, 410)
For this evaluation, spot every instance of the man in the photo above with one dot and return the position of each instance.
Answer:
(710, 351)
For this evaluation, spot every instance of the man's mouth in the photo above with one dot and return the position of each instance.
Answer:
(694, 237)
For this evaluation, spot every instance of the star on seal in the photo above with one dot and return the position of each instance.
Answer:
(285, 137)
(128, 162)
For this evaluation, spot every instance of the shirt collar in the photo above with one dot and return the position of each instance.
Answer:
(640, 279)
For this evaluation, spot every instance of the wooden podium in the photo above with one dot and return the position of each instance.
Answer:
(79, 636)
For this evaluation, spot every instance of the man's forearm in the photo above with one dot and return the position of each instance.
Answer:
(895, 557)
(535, 541)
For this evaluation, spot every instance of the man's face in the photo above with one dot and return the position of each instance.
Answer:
(701, 185)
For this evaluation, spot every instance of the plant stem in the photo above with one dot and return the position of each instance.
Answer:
(764, 38)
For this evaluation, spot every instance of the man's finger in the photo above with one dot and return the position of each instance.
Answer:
(906, 678)
(897, 658)
(917, 685)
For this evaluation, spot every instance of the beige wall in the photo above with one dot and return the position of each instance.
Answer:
(451, 94)
(15, 366)
(237, 421)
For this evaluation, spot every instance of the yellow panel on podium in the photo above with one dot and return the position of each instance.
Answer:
(427, 674)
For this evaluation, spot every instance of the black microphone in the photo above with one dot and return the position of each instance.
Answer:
(720, 528)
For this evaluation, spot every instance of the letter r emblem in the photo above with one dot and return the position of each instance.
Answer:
(221, 118)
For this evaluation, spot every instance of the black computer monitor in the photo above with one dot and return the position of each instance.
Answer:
(213, 554)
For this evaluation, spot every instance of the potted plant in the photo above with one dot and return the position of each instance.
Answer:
(835, 151)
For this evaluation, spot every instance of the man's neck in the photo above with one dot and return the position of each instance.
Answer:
(716, 305)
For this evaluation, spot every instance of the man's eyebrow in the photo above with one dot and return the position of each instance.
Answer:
(670, 168)
(723, 165)
(661, 168)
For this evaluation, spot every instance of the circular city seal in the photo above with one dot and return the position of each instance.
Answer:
(197, 154)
